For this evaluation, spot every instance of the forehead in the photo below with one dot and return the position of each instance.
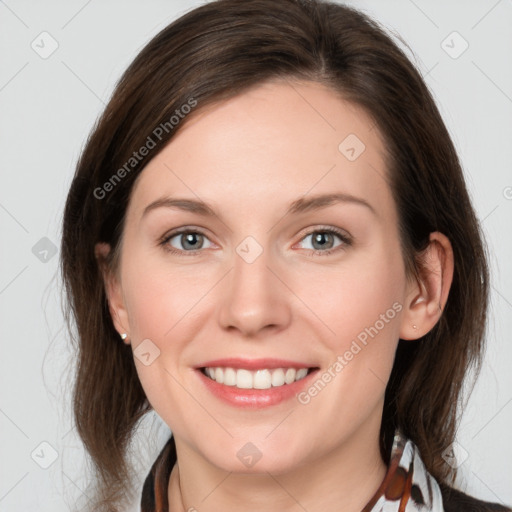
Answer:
(268, 146)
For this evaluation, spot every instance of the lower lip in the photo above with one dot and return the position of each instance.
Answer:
(255, 398)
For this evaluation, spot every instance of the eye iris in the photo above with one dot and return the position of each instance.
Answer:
(190, 238)
(320, 237)
(321, 240)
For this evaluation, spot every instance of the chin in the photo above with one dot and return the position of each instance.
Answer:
(247, 457)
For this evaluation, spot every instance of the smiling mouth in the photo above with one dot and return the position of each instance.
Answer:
(258, 379)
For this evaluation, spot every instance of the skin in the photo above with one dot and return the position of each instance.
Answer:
(250, 157)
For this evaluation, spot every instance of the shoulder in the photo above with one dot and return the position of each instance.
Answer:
(457, 501)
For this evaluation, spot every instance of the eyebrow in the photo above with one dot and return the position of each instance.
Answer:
(299, 206)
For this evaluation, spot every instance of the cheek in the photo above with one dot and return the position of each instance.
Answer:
(361, 306)
(359, 301)
(161, 306)
(362, 310)
(157, 300)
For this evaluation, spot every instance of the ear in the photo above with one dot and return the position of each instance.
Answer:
(113, 291)
(427, 296)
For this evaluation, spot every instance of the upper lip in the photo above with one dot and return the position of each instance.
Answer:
(254, 364)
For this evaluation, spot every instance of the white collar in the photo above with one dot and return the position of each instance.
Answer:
(407, 486)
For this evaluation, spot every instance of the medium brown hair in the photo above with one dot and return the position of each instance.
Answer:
(213, 53)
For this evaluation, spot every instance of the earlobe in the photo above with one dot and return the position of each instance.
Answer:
(427, 296)
(113, 292)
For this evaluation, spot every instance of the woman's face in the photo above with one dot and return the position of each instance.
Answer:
(291, 264)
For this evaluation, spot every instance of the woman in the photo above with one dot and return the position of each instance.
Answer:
(269, 239)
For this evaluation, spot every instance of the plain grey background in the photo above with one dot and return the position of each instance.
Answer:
(59, 63)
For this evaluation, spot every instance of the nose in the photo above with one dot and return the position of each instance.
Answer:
(253, 298)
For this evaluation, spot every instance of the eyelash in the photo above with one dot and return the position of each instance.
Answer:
(345, 239)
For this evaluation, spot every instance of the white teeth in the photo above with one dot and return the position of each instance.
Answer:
(243, 379)
(262, 379)
(278, 377)
(289, 376)
(219, 375)
(229, 377)
(259, 379)
(301, 373)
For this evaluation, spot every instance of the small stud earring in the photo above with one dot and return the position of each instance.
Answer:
(124, 336)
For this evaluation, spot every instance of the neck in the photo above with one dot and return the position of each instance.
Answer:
(345, 478)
